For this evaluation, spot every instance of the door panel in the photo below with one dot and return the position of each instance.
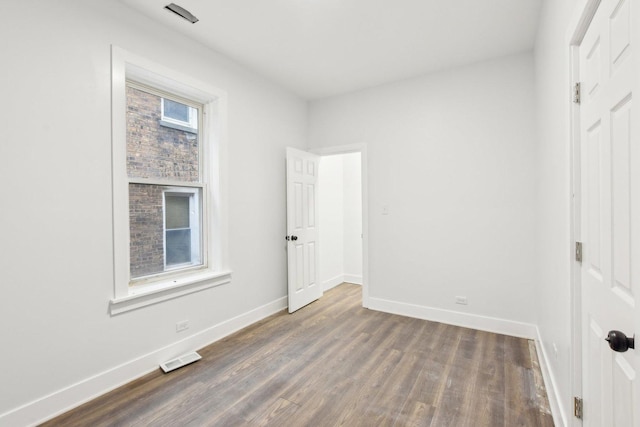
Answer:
(609, 194)
(594, 380)
(620, 141)
(620, 32)
(302, 253)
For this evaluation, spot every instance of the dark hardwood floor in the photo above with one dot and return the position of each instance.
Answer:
(334, 363)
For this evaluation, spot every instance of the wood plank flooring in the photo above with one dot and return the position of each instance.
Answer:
(334, 363)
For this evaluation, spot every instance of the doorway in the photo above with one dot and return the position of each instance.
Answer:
(340, 210)
(343, 218)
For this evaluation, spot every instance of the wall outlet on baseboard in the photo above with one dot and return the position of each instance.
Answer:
(461, 300)
(181, 326)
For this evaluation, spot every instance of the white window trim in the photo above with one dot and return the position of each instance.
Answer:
(125, 65)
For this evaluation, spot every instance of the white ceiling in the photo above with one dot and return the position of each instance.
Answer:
(319, 48)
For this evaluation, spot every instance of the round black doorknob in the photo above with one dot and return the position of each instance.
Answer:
(294, 237)
(619, 342)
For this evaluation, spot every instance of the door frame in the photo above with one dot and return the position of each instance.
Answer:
(580, 22)
(362, 149)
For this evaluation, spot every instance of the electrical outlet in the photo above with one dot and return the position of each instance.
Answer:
(181, 326)
(461, 300)
(385, 209)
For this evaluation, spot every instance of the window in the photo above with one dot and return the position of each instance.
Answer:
(164, 167)
(181, 228)
(178, 115)
(168, 198)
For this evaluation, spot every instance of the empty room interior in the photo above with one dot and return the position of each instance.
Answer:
(296, 212)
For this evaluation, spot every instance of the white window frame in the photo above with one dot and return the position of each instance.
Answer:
(190, 126)
(127, 66)
(194, 225)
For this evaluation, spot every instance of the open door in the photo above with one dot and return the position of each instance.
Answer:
(302, 228)
(610, 218)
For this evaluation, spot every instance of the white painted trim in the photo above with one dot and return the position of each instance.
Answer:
(466, 320)
(550, 384)
(580, 19)
(332, 283)
(364, 171)
(60, 401)
(156, 292)
(339, 279)
(356, 279)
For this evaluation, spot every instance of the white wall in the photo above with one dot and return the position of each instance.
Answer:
(452, 155)
(331, 213)
(553, 254)
(352, 217)
(57, 263)
(340, 210)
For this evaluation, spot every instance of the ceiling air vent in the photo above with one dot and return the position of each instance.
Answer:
(182, 12)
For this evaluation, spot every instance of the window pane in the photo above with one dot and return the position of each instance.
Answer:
(148, 220)
(155, 151)
(176, 110)
(178, 246)
(177, 211)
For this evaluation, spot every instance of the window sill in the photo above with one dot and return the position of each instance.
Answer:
(144, 295)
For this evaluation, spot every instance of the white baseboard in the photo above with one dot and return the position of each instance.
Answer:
(353, 278)
(550, 383)
(341, 278)
(474, 321)
(57, 403)
(332, 283)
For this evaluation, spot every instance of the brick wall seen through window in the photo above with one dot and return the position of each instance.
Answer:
(154, 151)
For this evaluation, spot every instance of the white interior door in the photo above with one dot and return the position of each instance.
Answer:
(302, 228)
(610, 209)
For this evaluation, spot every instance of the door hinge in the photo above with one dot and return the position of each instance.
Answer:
(577, 407)
(579, 251)
(576, 93)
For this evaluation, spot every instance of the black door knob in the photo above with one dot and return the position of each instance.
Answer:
(619, 341)
(294, 237)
